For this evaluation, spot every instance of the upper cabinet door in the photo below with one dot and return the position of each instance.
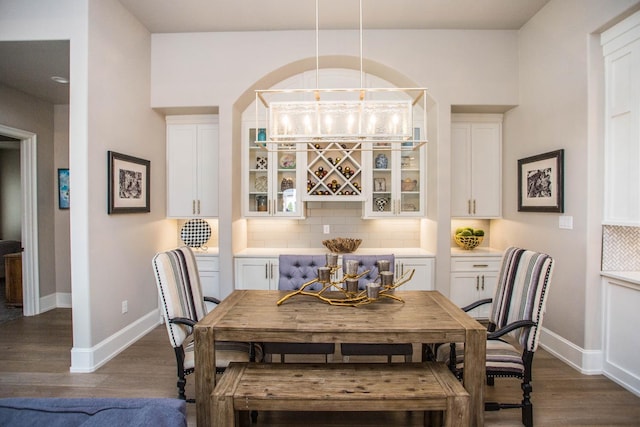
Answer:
(192, 166)
(272, 181)
(621, 46)
(476, 166)
(395, 181)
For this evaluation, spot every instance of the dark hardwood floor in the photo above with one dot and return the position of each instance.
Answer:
(35, 359)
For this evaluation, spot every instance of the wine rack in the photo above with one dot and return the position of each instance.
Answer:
(334, 171)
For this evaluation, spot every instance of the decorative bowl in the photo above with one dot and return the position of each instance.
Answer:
(468, 242)
(408, 185)
(342, 245)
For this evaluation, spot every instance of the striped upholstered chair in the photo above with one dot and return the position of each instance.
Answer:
(518, 306)
(370, 263)
(294, 271)
(183, 306)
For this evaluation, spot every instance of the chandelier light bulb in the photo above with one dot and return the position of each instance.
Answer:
(328, 121)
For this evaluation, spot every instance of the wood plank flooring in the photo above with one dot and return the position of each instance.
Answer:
(35, 359)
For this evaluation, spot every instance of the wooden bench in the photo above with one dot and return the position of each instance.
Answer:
(426, 386)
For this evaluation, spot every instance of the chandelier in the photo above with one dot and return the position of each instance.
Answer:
(384, 116)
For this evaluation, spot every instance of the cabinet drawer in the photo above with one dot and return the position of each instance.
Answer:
(207, 263)
(475, 264)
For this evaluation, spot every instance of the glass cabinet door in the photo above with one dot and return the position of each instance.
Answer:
(382, 180)
(285, 195)
(271, 178)
(410, 182)
(257, 170)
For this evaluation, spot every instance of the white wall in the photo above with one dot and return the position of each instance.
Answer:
(61, 216)
(120, 246)
(22, 111)
(222, 70)
(109, 109)
(560, 107)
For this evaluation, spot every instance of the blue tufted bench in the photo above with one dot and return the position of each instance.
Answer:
(370, 262)
(294, 271)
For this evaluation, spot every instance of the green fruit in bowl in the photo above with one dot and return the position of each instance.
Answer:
(465, 232)
(460, 229)
(478, 232)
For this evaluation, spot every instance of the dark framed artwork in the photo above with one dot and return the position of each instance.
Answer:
(63, 189)
(128, 183)
(541, 183)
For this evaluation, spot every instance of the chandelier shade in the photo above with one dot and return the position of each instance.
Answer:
(350, 120)
(380, 115)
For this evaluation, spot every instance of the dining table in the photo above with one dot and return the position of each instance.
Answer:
(417, 317)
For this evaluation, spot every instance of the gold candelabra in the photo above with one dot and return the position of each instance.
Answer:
(348, 294)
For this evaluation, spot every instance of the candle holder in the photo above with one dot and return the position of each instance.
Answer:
(347, 293)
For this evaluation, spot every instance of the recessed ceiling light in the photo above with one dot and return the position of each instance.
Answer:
(61, 80)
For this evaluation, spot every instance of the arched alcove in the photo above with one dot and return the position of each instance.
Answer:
(334, 71)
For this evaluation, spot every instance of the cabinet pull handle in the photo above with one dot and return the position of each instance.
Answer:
(477, 283)
(198, 206)
(480, 265)
(193, 207)
(271, 271)
(397, 270)
(474, 206)
(266, 271)
(483, 282)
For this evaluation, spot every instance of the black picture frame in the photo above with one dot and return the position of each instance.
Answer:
(541, 183)
(129, 181)
(64, 201)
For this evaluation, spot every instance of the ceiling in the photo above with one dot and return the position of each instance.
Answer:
(170, 16)
(29, 65)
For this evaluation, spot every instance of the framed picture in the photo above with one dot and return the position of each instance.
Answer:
(541, 183)
(379, 184)
(63, 189)
(128, 183)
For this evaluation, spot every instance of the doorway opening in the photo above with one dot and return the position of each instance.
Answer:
(29, 218)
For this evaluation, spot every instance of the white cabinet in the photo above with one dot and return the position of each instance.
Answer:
(621, 46)
(476, 165)
(192, 166)
(256, 273)
(621, 341)
(396, 182)
(474, 278)
(272, 180)
(423, 277)
(209, 270)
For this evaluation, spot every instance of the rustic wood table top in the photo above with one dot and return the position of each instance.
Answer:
(423, 317)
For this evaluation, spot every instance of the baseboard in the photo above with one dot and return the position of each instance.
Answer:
(84, 360)
(55, 300)
(588, 362)
(624, 378)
